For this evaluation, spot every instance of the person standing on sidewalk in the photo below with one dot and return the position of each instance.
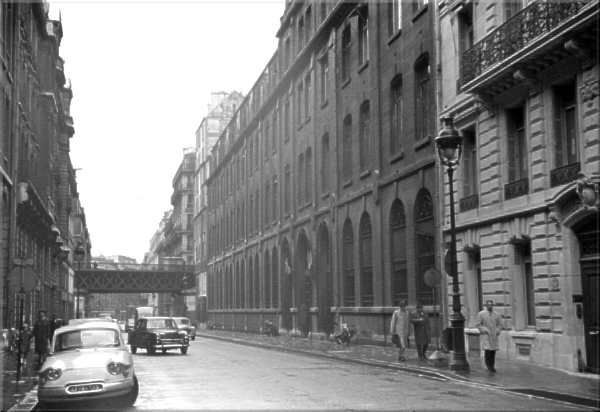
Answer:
(489, 327)
(41, 335)
(420, 322)
(400, 329)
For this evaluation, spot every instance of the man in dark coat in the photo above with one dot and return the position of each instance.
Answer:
(41, 336)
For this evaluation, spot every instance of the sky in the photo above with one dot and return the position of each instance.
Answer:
(141, 74)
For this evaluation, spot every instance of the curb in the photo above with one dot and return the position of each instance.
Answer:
(424, 372)
(28, 403)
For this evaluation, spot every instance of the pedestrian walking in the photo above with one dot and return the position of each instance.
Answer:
(400, 329)
(489, 327)
(420, 323)
(41, 336)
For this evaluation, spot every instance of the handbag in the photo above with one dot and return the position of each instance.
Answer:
(396, 339)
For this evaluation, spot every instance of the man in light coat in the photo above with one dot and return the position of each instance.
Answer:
(489, 327)
(400, 326)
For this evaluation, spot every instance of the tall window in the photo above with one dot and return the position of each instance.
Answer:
(425, 244)
(398, 253)
(394, 16)
(523, 261)
(308, 176)
(267, 281)
(346, 48)
(474, 267)
(364, 139)
(256, 210)
(465, 29)
(300, 181)
(307, 98)
(300, 33)
(325, 163)
(517, 147)
(265, 139)
(512, 7)
(396, 114)
(363, 35)
(323, 10)
(287, 189)
(250, 283)
(469, 167)
(308, 21)
(347, 148)
(275, 278)
(423, 99)
(565, 125)
(366, 261)
(286, 120)
(267, 204)
(275, 197)
(299, 102)
(288, 53)
(324, 76)
(256, 283)
(348, 260)
(274, 133)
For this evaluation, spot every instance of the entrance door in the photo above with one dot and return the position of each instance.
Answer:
(590, 278)
(588, 235)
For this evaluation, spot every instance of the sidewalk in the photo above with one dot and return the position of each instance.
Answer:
(13, 394)
(513, 375)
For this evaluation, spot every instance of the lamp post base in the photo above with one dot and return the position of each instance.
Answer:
(458, 358)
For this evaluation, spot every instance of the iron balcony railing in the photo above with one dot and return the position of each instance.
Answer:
(522, 29)
(564, 174)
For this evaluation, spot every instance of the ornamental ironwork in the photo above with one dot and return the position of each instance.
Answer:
(535, 20)
(469, 202)
(564, 174)
(516, 189)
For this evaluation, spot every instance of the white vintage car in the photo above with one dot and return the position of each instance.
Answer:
(88, 361)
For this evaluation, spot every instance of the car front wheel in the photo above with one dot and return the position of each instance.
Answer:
(151, 350)
(131, 397)
(133, 349)
(184, 350)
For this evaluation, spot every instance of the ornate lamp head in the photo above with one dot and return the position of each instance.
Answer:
(449, 142)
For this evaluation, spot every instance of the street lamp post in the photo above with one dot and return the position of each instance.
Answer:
(449, 145)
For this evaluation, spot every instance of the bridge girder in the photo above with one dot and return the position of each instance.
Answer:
(133, 281)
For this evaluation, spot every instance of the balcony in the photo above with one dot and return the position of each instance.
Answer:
(533, 39)
(564, 174)
(516, 188)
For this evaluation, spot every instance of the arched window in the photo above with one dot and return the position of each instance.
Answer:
(348, 263)
(424, 244)
(256, 283)
(399, 282)
(366, 261)
(364, 140)
(267, 282)
(275, 278)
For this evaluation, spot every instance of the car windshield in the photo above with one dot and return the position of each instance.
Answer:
(86, 338)
(160, 323)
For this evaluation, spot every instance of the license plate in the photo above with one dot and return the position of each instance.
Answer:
(91, 387)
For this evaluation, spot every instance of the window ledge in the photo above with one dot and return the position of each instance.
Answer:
(363, 66)
(421, 143)
(420, 12)
(523, 334)
(398, 156)
(394, 36)
(365, 174)
(325, 195)
(347, 183)
(345, 83)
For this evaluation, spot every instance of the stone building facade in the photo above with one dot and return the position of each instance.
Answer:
(322, 188)
(38, 180)
(524, 93)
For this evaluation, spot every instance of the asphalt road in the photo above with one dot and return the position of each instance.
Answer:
(217, 375)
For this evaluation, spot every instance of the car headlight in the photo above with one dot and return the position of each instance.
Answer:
(118, 368)
(50, 374)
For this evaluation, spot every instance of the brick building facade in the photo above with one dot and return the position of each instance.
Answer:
(322, 189)
(524, 93)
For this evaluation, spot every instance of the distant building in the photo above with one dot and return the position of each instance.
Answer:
(220, 111)
(522, 84)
